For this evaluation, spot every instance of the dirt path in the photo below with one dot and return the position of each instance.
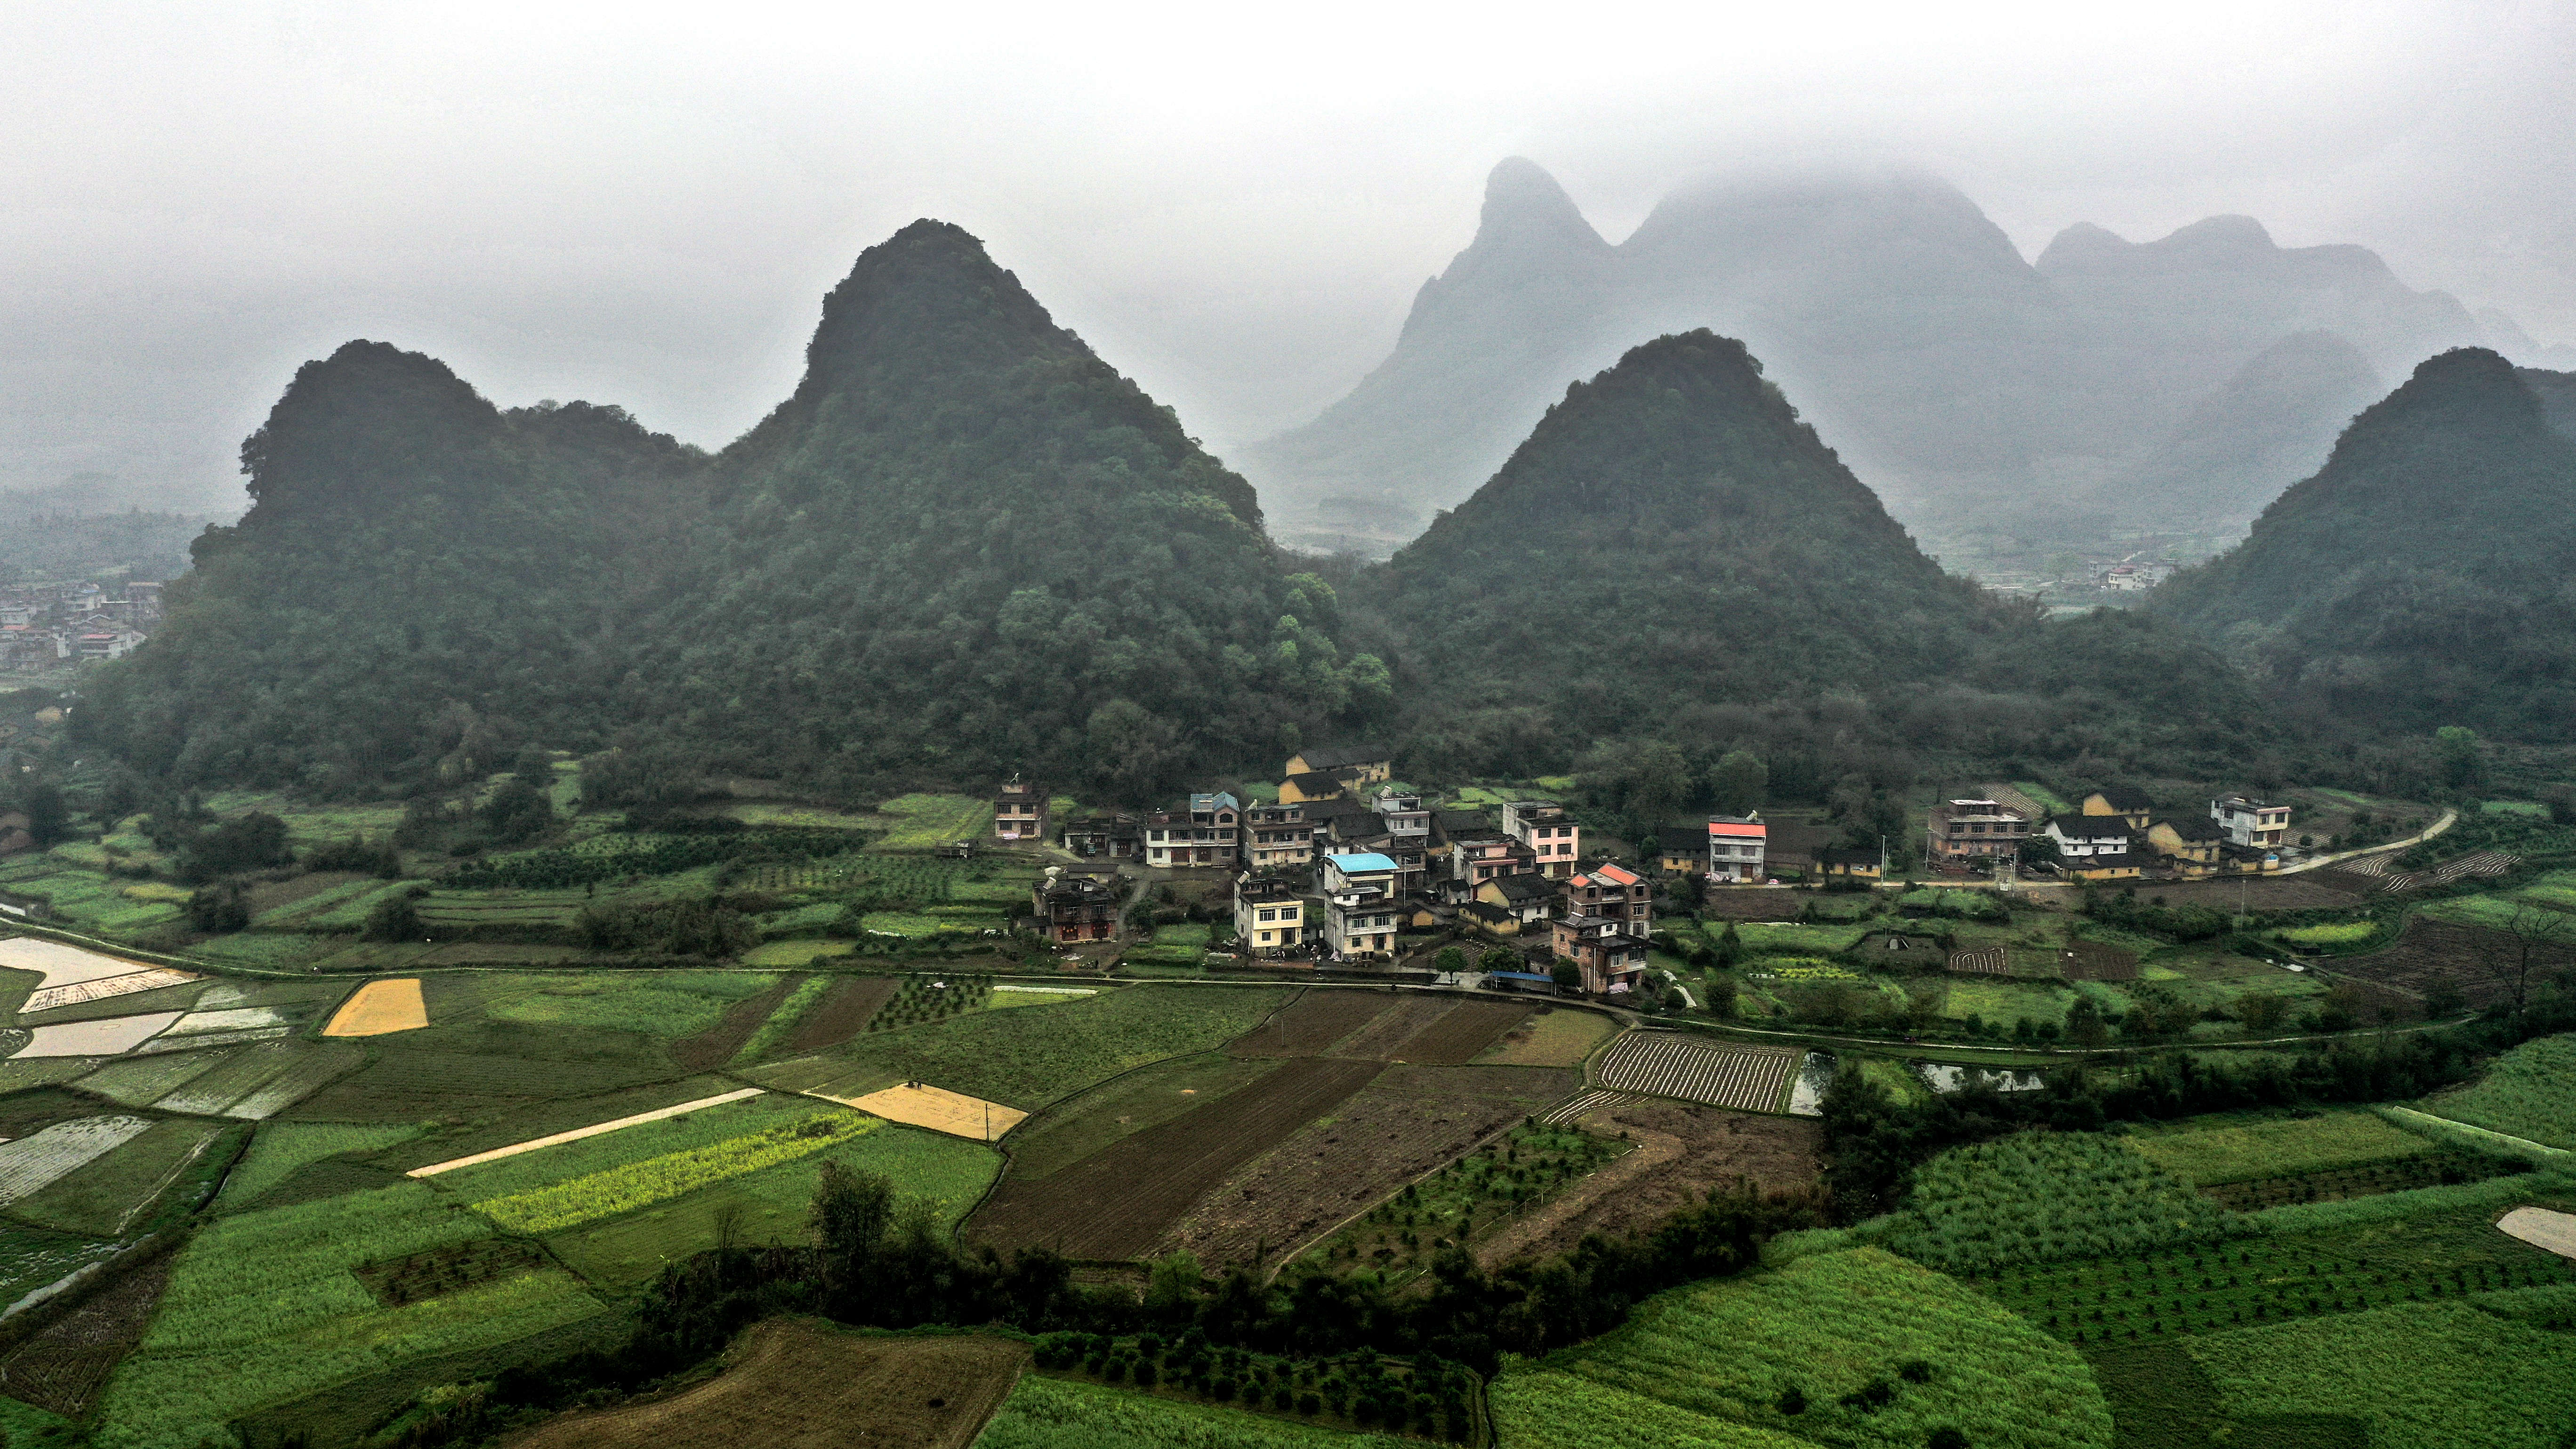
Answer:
(1655, 1150)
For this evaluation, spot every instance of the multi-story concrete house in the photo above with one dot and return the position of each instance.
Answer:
(2251, 822)
(1402, 817)
(1269, 915)
(1476, 859)
(1278, 837)
(1612, 893)
(2095, 847)
(1074, 907)
(1360, 908)
(1612, 961)
(1962, 831)
(1736, 844)
(1207, 833)
(1020, 812)
(1109, 836)
(1551, 835)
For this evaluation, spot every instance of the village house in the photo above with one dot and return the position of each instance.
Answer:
(2187, 846)
(1208, 832)
(1341, 824)
(1612, 893)
(2122, 801)
(1514, 903)
(1278, 837)
(1551, 835)
(1360, 908)
(1963, 831)
(2251, 822)
(1476, 859)
(1365, 764)
(1402, 816)
(1839, 862)
(1612, 962)
(1681, 850)
(1735, 847)
(1074, 907)
(1109, 836)
(1310, 786)
(2095, 847)
(1019, 812)
(1269, 915)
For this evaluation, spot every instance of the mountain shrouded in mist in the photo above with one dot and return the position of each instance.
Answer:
(418, 569)
(2276, 419)
(967, 545)
(964, 545)
(1966, 383)
(1672, 538)
(2420, 578)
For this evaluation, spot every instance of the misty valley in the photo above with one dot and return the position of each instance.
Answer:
(1790, 833)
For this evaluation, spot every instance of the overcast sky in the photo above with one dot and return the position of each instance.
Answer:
(643, 204)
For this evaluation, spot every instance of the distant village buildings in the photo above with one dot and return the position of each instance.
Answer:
(45, 627)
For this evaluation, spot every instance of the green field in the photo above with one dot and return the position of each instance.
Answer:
(263, 1309)
(1046, 1413)
(116, 1194)
(2421, 1375)
(2224, 1152)
(1030, 1058)
(1882, 1352)
(607, 1151)
(919, 822)
(2042, 1196)
(666, 1004)
(629, 1186)
(2529, 1092)
(281, 1149)
(30, 1258)
(770, 1206)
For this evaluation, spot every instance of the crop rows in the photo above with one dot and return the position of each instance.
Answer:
(635, 1185)
(605, 858)
(2483, 863)
(2335, 1184)
(931, 998)
(1667, 1064)
(2212, 1289)
(2047, 1196)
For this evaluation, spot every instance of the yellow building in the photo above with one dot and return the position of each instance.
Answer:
(2191, 846)
(1366, 764)
(2130, 805)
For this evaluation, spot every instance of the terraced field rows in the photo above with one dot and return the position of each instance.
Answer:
(2484, 863)
(1667, 1064)
(1983, 961)
(1585, 1103)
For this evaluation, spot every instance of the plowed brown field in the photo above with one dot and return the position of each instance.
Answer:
(840, 1015)
(1461, 1035)
(799, 1385)
(1312, 1022)
(1683, 1150)
(1391, 1028)
(716, 1045)
(1118, 1202)
(1408, 1122)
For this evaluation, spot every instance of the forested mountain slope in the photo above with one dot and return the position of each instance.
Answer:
(1672, 539)
(2422, 576)
(421, 580)
(967, 545)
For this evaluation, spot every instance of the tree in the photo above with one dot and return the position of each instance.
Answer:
(2084, 1024)
(2458, 747)
(2261, 1012)
(394, 918)
(48, 818)
(518, 811)
(2530, 938)
(1568, 975)
(2039, 850)
(1499, 958)
(849, 1217)
(1738, 782)
(1450, 962)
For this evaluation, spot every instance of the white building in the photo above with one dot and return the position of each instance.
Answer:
(2251, 822)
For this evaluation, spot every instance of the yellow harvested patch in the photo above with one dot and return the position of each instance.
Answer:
(381, 1007)
(954, 1113)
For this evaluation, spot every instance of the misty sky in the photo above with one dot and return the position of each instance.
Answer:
(643, 204)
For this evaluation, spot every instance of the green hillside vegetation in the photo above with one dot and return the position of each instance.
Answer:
(2419, 578)
(959, 548)
(1672, 539)
(370, 615)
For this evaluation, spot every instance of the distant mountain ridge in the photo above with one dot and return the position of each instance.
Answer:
(2419, 578)
(1961, 379)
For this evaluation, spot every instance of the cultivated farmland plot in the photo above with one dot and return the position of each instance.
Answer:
(1982, 961)
(32, 1162)
(101, 988)
(1667, 1064)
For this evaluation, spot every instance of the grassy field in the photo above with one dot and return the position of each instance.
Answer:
(546, 1166)
(2043, 1196)
(1028, 1058)
(263, 1308)
(30, 1258)
(666, 1004)
(770, 1206)
(110, 1197)
(2421, 1375)
(281, 1149)
(1047, 1413)
(919, 822)
(1878, 1352)
(2528, 1092)
(629, 1186)
(2222, 1152)
(1552, 1038)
